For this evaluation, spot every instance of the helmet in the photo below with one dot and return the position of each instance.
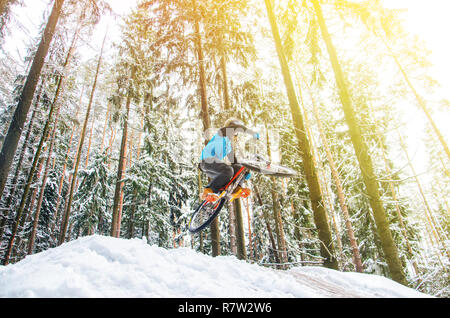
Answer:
(234, 123)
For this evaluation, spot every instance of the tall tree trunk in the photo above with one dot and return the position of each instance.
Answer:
(20, 115)
(36, 160)
(32, 237)
(130, 146)
(56, 104)
(65, 221)
(19, 164)
(226, 93)
(239, 220)
(434, 224)
(340, 191)
(135, 191)
(232, 228)
(269, 229)
(364, 159)
(104, 127)
(321, 177)
(63, 173)
(249, 224)
(118, 194)
(214, 227)
(86, 162)
(235, 238)
(240, 236)
(297, 233)
(277, 212)
(317, 202)
(112, 138)
(396, 201)
(26, 216)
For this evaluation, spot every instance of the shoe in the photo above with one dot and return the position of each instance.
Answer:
(240, 192)
(245, 193)
(209, 195)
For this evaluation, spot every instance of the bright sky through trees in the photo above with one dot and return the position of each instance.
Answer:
(427, 19)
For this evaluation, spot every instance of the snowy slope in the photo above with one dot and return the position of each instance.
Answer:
(98, 266)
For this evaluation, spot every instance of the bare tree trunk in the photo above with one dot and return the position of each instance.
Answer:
(37, 160)
(11, 142)
(56, 104)
(215, 232)
(104, 127)
(41, 193)
(277, 213)
(65, 222)
(111, 142)
(232, 228)
(138, 149)
(434, 225)
(397, 207)
(235, 238)
(240, 236)
(118, 194)
(26, 217)
(61, 180)
(226, 94)
(321, 176)
(135, 191)
(340, 191)
(249, 224)
(86, 162)
(317, 202)
(19, 164)
(297, 233)
(364, 159)
(269, 229)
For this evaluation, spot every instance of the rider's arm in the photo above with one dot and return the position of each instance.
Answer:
(231, 155)
(249, 131)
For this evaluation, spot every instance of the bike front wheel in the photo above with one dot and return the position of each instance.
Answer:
(204, 215)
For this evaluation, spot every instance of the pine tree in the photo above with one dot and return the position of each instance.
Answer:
(66, 216)
(327, 249)
(364, 159)
(91, 199)
(16, 126)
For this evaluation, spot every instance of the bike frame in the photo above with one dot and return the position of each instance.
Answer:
(226, 194)
(228, 189)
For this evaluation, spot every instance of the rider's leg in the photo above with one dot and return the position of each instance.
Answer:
(219, 172)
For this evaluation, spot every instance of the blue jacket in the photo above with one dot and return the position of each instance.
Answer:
(218, 147)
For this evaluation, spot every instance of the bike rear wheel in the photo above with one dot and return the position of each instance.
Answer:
(204, 215)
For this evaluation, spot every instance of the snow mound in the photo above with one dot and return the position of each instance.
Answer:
(100, 266)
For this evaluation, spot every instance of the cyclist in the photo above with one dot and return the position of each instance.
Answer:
(212, 160)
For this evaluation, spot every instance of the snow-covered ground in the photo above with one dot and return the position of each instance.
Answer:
(99, 266)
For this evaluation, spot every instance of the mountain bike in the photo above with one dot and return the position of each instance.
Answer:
(207, 211)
